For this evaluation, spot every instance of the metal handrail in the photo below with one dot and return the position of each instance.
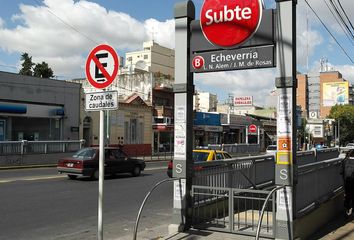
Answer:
(263, 209)
(143, 204)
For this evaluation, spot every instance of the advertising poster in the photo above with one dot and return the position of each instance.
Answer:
(335, 93)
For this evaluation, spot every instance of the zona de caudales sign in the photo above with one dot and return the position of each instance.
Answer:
(228, 26)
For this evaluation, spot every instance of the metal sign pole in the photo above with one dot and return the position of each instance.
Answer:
(183, 139)
(101, 177)
(286, 128)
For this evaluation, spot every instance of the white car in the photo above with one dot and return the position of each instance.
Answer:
(350, 145)
(271, 149)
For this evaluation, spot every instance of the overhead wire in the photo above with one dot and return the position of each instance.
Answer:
(340, 5)
(67, 24)
(350, 38)
(324, 25)
(341, 18)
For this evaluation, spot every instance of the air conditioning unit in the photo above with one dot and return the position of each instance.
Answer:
(168, 120)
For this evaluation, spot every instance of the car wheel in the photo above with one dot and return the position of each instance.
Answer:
(136, 171)
(95, 175)
(72, 177)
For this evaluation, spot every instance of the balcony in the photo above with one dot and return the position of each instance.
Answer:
(163, 111)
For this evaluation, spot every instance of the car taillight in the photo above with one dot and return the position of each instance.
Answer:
(170, 164)
(198, 168)
(79, 164)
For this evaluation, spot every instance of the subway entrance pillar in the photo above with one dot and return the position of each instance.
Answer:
(183, 139)
(286, 116)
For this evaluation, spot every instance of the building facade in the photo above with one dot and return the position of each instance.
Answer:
(205, 102)
(163, 119)
(156, 93)
(153, 58)
(37, 109)
(317, 93)
(130, 124)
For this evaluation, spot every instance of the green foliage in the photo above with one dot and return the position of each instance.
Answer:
(345, 115)
(42, 70)
(27, 65)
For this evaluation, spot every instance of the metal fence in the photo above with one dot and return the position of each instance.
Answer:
(316, 183)
(232, 210)
(39, 147)
(229, 194)
(241, 148)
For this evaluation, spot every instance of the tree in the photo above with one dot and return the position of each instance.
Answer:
(27, 65)
(344, 116)
(302, 133)
(43, 70)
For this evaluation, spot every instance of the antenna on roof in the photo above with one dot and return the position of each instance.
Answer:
(153, 34)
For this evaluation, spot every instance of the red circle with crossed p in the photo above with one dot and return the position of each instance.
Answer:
(102, 66)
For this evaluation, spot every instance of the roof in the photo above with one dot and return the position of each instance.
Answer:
(135, 99)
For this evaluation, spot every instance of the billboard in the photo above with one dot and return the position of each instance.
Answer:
(335, 93)
(243, 101)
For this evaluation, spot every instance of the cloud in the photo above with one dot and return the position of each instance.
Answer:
(45, 33)
(161, 32)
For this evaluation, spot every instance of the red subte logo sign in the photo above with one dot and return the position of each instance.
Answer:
(230, 23)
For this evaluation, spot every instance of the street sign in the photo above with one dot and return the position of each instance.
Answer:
(234, 59)
(102, 66)
(230, 23)
(96, 101)
(252, 129)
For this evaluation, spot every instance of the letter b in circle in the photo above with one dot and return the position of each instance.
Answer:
(198, 62)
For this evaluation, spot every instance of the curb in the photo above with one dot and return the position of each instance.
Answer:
(28, 166)
(52, 165)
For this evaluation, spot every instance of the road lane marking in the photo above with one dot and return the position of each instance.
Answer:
(32, 178)
(46, 177)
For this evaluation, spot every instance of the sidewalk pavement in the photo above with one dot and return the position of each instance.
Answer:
(340, 228)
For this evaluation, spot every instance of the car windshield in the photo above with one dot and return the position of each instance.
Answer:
(272, 147)
(350, 145)
(200, 156)
(85, 153)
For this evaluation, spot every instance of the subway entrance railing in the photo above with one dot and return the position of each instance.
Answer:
(228, 195)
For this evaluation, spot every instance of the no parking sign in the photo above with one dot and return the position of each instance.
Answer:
(102, 66)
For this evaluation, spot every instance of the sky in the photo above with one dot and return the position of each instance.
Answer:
(63, 32)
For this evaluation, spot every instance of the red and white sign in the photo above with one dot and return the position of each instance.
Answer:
(102, 66)
(243, 101)
(252, 128)
(198, 62)
(230, 23)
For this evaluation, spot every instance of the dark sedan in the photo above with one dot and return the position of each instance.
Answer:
(84, 163)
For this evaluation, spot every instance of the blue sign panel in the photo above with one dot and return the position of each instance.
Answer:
(204, 118)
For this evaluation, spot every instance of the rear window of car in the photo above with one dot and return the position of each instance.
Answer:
(200, 156)
(272, 147)
(85, 153)
(350, 145)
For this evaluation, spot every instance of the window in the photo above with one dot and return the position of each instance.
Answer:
(119, 154)
(219, 156)
(133, 130)
(146, 56)
(85, 153)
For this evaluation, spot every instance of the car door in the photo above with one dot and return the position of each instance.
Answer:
(109, 161)
(121, 163)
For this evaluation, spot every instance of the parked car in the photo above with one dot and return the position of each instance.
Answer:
(84, 163)
(271, 149)
(350, 145)
(202, 155)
